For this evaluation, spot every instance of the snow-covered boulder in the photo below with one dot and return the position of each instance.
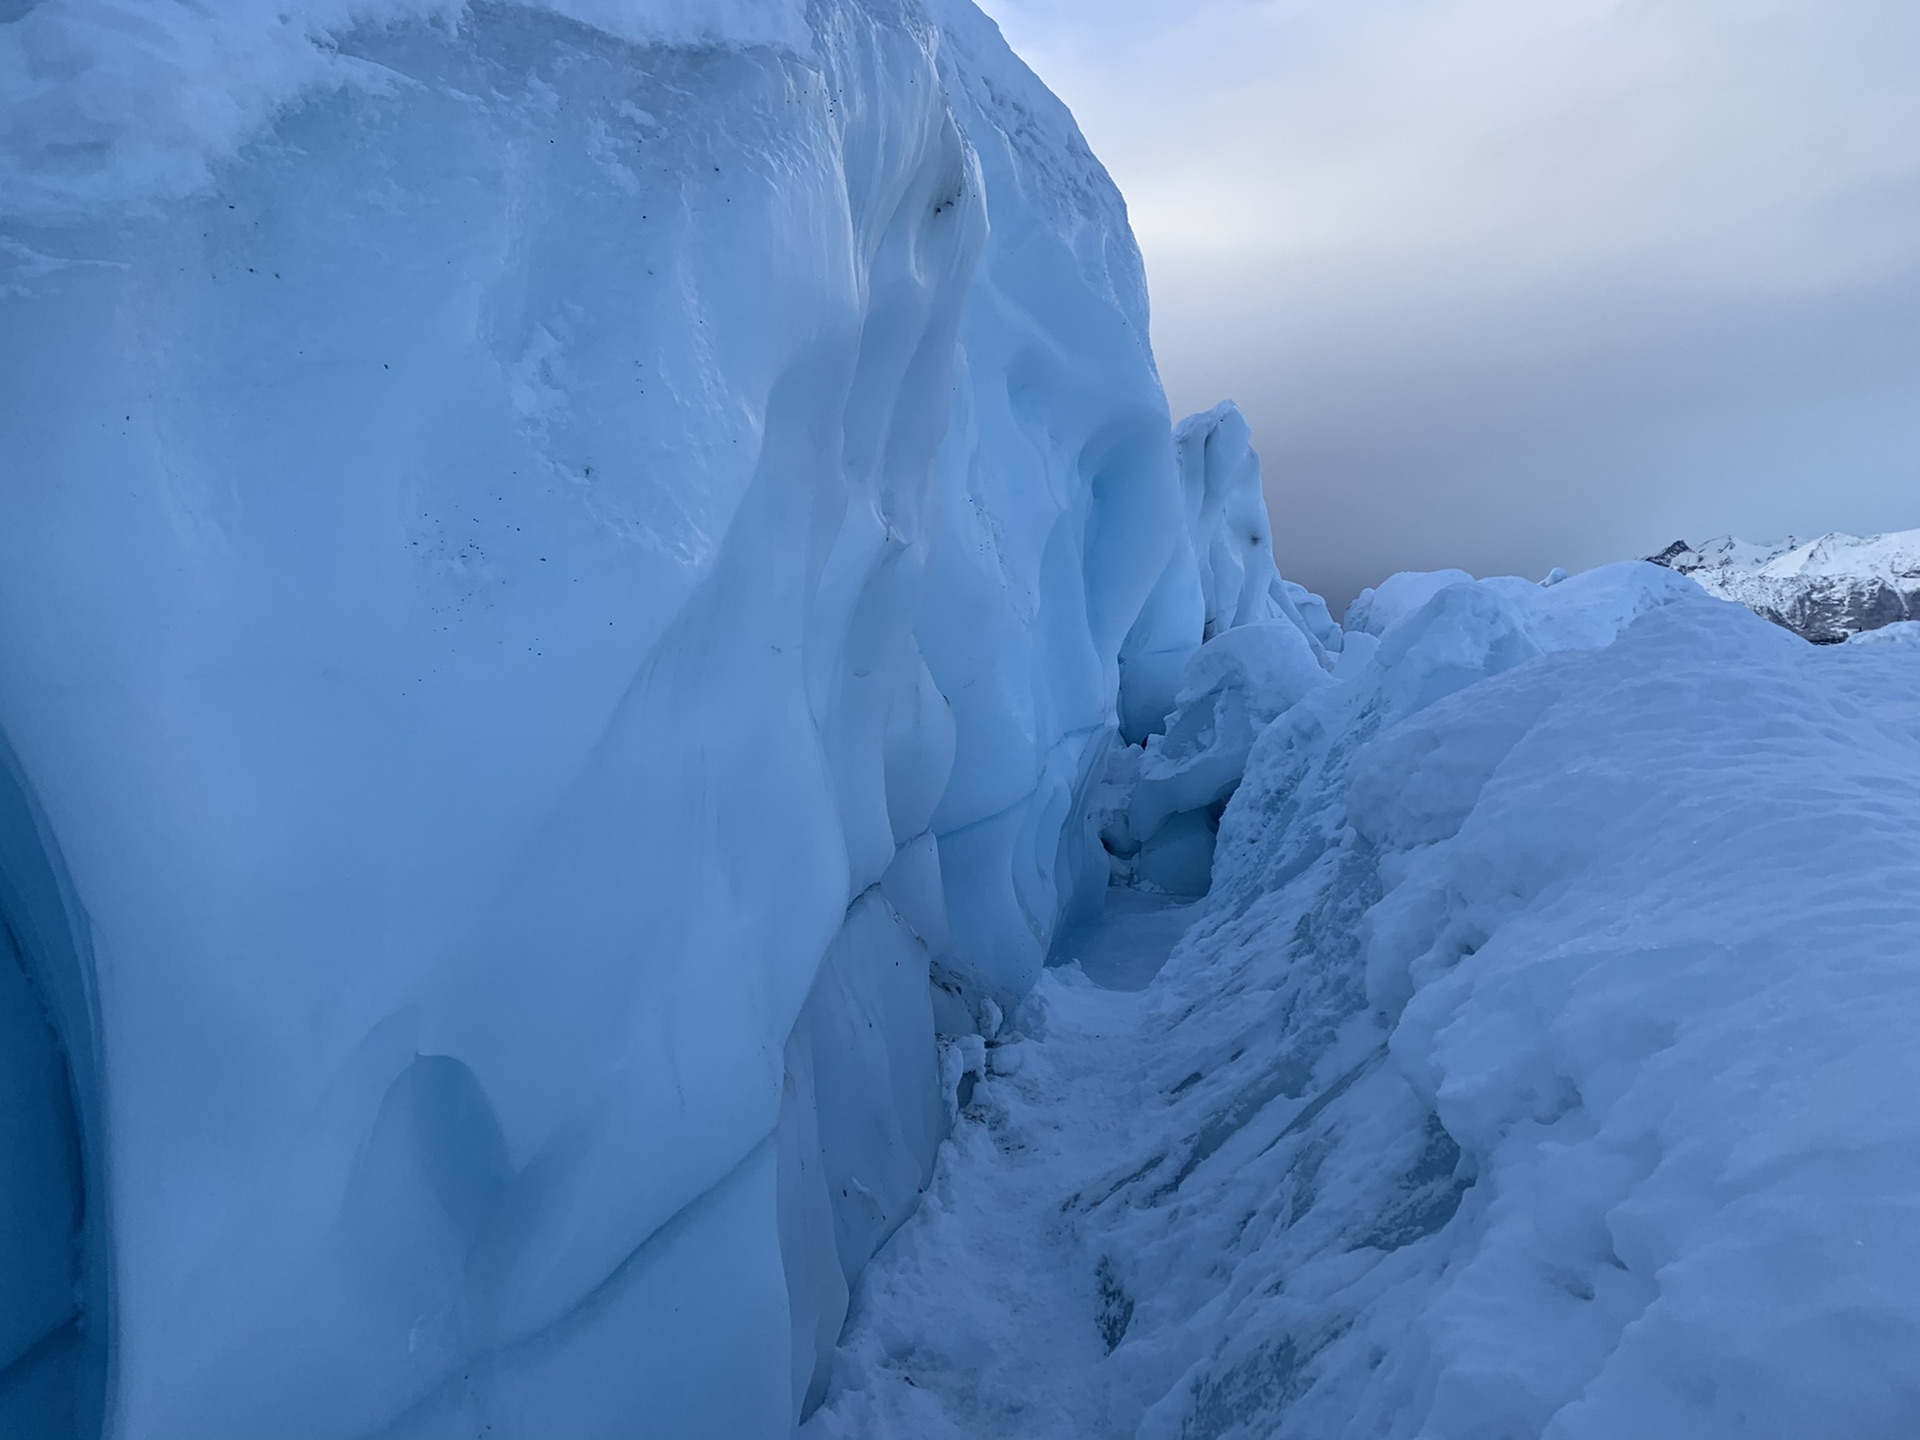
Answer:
(1824, 590)
(558, 562)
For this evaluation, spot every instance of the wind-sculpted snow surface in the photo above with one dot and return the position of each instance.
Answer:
(1525, 1075)
(520, 668)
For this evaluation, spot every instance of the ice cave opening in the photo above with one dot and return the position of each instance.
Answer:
(52, 1345)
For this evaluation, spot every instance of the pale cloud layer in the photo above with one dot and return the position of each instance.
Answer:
(1515, 283)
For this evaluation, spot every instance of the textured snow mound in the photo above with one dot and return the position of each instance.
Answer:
(1901, 632)
(563, 570)
(1519, 1078)
(1220, 575)
(1377, 609)
(1825, 590)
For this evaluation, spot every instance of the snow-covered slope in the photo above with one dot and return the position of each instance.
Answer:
(1526, 1073)
(1824, 590)
(559, 563)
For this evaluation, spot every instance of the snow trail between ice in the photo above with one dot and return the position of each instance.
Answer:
(990, 1312)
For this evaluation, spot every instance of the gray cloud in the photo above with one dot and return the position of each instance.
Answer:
(1505, 284)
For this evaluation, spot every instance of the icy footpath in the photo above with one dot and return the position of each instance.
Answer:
(991, 1313)
(1531, 1070)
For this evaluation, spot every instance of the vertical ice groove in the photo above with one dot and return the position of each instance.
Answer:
(56, 1263)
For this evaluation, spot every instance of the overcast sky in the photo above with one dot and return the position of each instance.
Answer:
(1507, 284)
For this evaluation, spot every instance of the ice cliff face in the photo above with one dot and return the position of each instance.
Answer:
(564, 582)
(1060, 513)
(1191, 715)
(1824, 590)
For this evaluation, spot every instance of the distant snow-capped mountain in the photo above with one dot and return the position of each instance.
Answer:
(1827, 589)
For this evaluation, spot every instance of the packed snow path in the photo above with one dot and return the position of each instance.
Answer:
(988, 1315)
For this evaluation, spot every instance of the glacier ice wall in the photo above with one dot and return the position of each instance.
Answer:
(1188, 716)
(1059, 513)
(55, 1268)
(558, 559)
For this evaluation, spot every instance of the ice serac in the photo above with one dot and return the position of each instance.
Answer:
(1824, 590)
(556, 559)
(1060, 510)
(1190, 714)
(1221, 573)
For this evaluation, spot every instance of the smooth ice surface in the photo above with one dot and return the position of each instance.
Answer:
(118, 105)
(564, 569)
(1525, 1074)
(41, 1190)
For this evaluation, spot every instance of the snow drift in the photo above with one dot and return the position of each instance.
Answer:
(564, 575)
